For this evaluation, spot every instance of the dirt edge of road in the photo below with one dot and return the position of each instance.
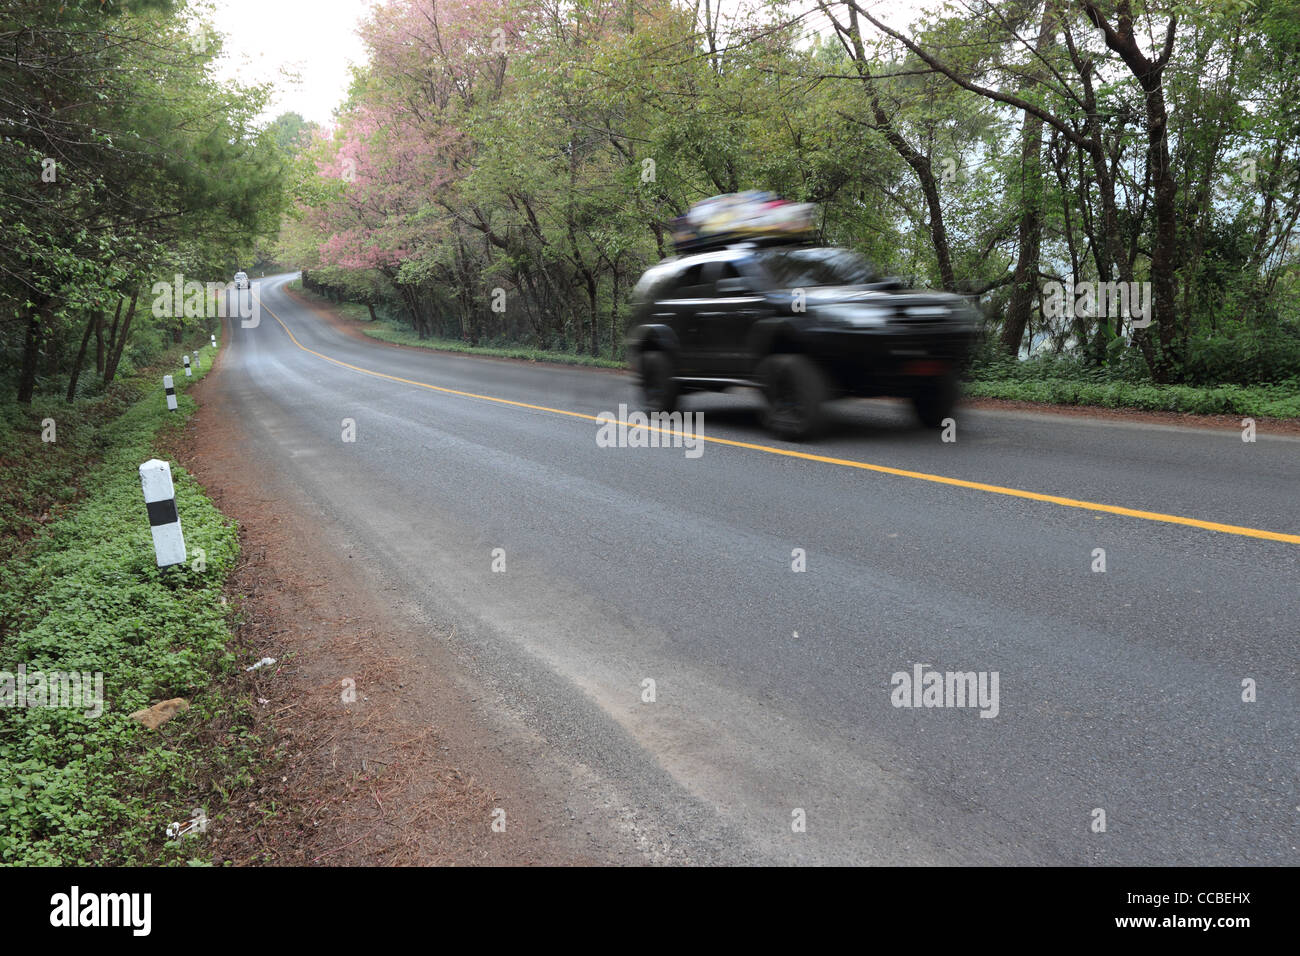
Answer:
(1272, 426)
(405, 772)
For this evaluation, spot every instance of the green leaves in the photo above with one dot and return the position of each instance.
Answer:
(156, 167)
(87, 597)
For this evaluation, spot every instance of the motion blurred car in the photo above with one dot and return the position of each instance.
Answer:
(803, 323)
(241, 280)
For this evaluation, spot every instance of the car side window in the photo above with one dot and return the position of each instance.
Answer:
(728, 282)
(690, 284)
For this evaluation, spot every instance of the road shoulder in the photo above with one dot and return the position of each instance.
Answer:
(407, 772)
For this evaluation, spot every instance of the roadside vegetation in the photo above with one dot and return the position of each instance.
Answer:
(80, 593)
(1067, 381)
(509, 193)
(124, 164)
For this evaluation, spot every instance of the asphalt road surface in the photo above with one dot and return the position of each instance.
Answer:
(773, 734)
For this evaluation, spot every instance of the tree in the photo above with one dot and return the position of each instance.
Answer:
(119, 155)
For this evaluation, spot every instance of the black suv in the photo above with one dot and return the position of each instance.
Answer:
(804, 324)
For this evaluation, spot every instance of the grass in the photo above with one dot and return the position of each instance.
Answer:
(81, 593)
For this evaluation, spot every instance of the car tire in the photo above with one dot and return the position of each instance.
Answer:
(796, 391)
(659, 388)
(936, 402)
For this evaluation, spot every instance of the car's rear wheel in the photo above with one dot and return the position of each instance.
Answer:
(658, 387)
(936, 401)
(796, 392)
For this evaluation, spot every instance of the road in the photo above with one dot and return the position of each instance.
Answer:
(774, 697)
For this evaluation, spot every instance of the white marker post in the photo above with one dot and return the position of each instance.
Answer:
(214, 340)
(171, 393)
(164, 522)
(187, 366)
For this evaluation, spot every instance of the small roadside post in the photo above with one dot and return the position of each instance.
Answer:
(164, 521)
(187, 366)
(170, 388)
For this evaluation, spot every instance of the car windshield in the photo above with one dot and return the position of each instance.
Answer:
(801, 268)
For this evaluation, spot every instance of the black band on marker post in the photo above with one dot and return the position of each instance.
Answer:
(162, 512)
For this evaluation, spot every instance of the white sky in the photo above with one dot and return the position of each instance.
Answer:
(317, 40)
(313, 38)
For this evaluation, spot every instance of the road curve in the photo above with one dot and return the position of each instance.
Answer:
(774, 693)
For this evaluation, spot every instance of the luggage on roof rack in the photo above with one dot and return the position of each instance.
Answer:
(748, 217)
(728, 239)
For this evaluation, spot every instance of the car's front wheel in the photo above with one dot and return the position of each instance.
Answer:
(658, 387)
(936, 401)
(796, 392)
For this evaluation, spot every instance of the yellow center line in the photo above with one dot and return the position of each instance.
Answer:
(825, 459)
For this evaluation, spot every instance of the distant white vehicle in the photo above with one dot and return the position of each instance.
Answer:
(241, 280)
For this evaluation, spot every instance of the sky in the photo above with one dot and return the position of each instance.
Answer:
(317, 40)
(314, 38)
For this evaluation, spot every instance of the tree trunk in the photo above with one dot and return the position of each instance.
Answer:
(595, 318)
(91, 324)
(116, 355)
(1029, 235)
(53, 346)
(99, 341)
(1030, 228)
(31, 353)
(918, 161)
(112, 332)
(614, 330)
(1164, 250)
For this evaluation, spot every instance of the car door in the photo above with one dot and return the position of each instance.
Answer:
(738, 305)
(715, 313)
(683, 304)
(708, 322)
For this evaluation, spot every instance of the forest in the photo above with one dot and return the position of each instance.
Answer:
(502, 172)
(123, 163)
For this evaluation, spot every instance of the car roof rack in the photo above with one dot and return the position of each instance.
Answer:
(686, 242)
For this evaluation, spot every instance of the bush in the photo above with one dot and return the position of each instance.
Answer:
(1228, 373)
(1243, 357)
